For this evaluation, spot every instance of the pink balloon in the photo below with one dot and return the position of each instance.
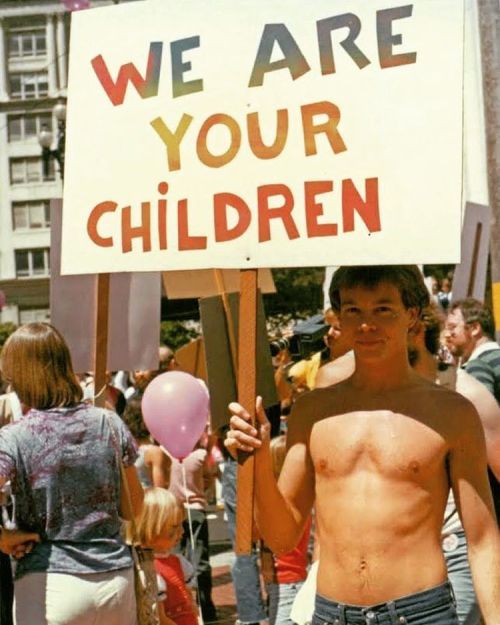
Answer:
(76, 5)
(175, 409)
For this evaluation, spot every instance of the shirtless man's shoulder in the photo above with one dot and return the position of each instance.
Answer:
(441, 408)
(322, 402)
(312, 407)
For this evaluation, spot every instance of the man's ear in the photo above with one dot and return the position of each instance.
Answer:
(415, 328)
(414, 324)
(475, 329)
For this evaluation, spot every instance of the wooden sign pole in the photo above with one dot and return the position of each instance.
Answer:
(247, 336)
(221, 290)
(101, 339)
(475, 256)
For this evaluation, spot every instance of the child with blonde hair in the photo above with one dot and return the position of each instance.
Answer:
(288, 571)
(159, 528)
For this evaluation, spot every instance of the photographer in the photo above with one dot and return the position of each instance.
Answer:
(315, 342)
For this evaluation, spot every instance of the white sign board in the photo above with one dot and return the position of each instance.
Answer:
(263, 134)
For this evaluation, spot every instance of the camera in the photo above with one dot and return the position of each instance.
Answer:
(307, 338)
(278, 346)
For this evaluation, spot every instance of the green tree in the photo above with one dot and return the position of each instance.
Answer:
(6, 329)
(438, 271)
(299, 292)
(175, 334)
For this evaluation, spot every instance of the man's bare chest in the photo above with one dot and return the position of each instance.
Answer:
(380, 442)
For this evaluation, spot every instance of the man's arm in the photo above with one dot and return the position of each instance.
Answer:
(482, 372)
(280, 511)
(473, 498)
(16, 542)
(489, 413)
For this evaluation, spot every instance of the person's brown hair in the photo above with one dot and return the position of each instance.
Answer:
(475, 311)
(432, 321)
(132, 415)
(406, 278)
(36, 362)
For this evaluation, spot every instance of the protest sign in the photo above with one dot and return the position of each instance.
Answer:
(191, 358)
(203, 283)
(222, 376)
(263, 134)
(469, 277)
(134, 312)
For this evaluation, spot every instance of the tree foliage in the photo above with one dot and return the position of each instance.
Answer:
(438, 271)
(299, 292)
(6, 329)
(175, 334)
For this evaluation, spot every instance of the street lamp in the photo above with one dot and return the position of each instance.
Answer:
(45, 141)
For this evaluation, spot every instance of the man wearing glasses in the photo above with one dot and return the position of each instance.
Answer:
(469, 334)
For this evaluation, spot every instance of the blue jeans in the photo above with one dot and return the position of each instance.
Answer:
(281, 597)
(430, 607)
(460, 577)
(245, 570)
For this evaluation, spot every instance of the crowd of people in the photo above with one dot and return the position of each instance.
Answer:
(378, 471)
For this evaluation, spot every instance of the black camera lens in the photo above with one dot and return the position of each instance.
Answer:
(278, 346)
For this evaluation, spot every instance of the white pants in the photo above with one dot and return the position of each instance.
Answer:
(63, 599)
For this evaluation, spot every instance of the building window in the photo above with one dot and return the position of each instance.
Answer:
(34, 314)
(32, 263)
(30, 169)
(27, 43)
(23, 127)
(32, 214)
(29, 86)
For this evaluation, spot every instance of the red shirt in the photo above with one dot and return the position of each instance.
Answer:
(178, 605)
(292, 566)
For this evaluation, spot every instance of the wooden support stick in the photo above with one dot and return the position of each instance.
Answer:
(101, 339)
(221, 290)
(246, 397)
(475, 256)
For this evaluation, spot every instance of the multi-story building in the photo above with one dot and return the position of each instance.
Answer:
(34, 42)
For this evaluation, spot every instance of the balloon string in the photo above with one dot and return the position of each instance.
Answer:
(191, 538)
(96, 396)
(186, 496)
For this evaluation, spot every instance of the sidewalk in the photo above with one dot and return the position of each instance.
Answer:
(223, 591)
(221, 561)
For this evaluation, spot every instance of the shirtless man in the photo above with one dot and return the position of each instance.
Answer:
(423, 345)
(375, 454)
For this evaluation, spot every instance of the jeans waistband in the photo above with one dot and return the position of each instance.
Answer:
(390, 612)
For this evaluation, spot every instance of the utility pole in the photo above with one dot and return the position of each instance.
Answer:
(489, 26)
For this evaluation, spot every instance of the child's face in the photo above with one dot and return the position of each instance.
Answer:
(169, 536)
